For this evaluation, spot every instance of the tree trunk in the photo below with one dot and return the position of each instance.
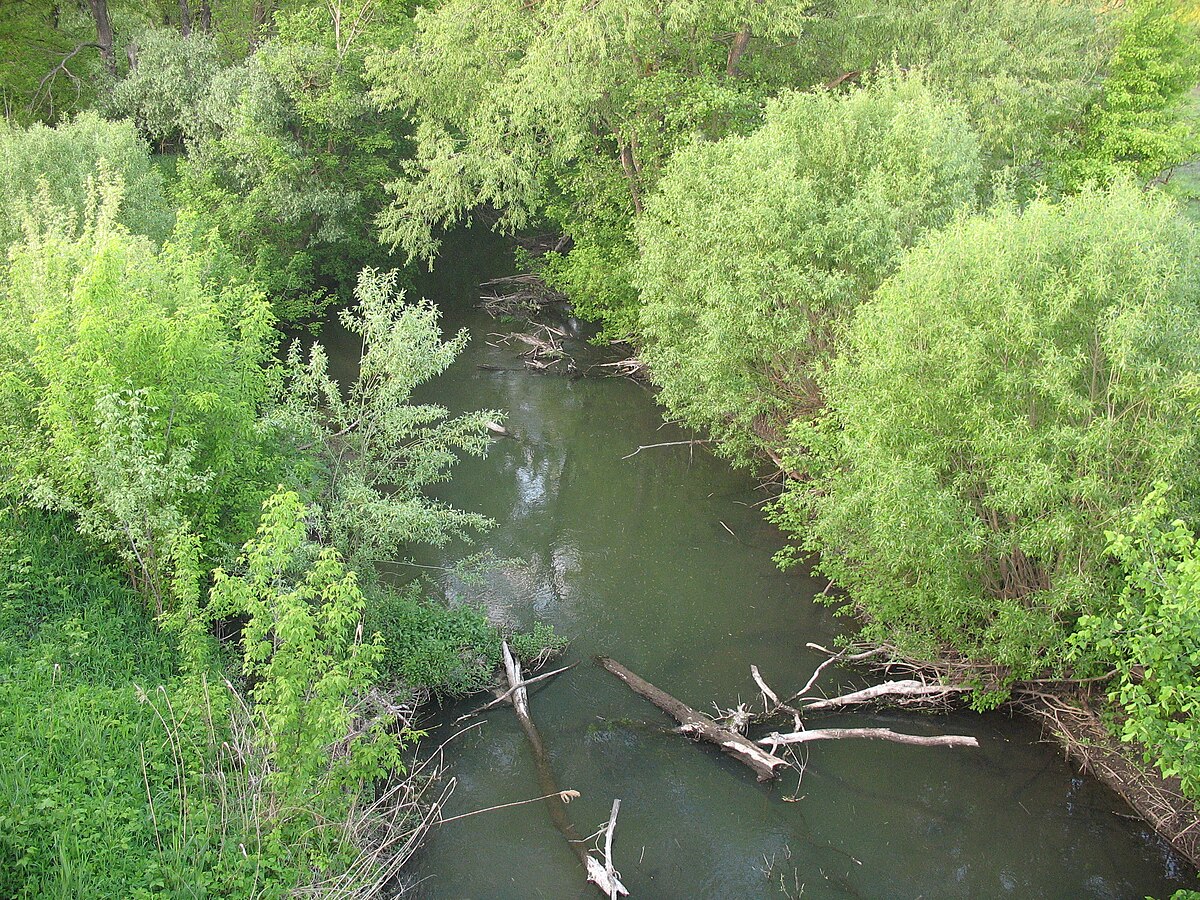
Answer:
(699, 725)
(185, 18)
(875, 734)
(737, 50)
(260, 17)
(104, 35)
(206, 16)
(629, 164)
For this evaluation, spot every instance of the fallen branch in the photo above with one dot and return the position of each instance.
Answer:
(895, 692)
(555, 798)
(606, 874)
(500, 699)
(698, 725)
(664, 444)
(774, 739)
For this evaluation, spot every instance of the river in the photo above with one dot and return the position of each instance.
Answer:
(663, 561)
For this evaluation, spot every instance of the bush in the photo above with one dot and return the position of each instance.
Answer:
(1151, 636)
(754, 249)
(1015, 386)
(56, 165)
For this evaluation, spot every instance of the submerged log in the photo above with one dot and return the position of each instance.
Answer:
(597, 872)
(698, 725)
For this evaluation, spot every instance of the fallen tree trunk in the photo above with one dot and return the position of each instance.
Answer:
(698, 725)
(597, 872)
(877, 734)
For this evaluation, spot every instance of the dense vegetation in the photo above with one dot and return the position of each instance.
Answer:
(932, 259)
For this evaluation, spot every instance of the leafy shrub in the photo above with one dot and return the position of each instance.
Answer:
(1151, 635)
(161, 95)
(754, 249)
(56, 165)
(1015, 386)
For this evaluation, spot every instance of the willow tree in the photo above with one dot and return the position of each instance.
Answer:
(754, 248)
(1017, 384)
(54, 166)
(568, 109)
(1025, 70)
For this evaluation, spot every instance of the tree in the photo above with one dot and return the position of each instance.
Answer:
(303, 650)
(41, 166)
(287, 155)
(1002, 399)
(1025, 70)
(753, 250)
(568, 110)
(133, 381)
(1142, 124)
(370, 450)
(163, 92)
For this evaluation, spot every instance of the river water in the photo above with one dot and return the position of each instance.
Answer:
(663, 562)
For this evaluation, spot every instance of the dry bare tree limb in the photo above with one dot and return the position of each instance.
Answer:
(698, 725)
(774, 739)
(554, 797)
(606, 877)
(508, 693)
(663, 444)
(894, 691)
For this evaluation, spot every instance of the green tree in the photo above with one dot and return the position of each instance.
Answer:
(1025, 70)
(1151, 635)
(754, 249)
(568, 110)
(132, 386)
(162, 94)
(1143, 123)
(373, 451)
(1015, 386)
(41, 165)
(304, 654)
(287, 154)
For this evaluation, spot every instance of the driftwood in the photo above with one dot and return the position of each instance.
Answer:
(698, 725)
(602, 876)
(878, 734)
(517, 296)
(893, 692)
(606, 874)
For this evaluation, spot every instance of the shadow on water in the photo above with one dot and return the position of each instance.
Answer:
(661, 562)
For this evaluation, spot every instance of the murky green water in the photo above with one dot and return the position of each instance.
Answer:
(662, 562)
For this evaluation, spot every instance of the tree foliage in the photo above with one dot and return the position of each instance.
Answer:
(287, 156)
(568, 110)
(1151, 636)
(132, 386)
(303, 650)
(1142, 124)
(754, 248)
(373, 451)
(41, 166)
(1025, 70)
(163, 93)
(1004, 396)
